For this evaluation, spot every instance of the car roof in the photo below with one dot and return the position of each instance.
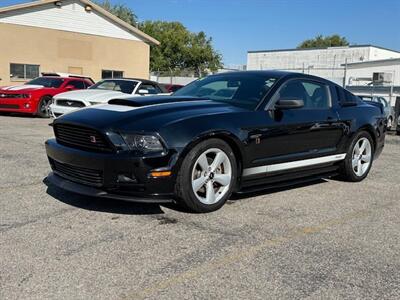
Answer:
(276, 74)
(131, 79)
(70, 77)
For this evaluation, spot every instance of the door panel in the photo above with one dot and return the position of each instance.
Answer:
(294, 134)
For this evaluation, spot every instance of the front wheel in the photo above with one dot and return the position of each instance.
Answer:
(207, 176)
(359, 158)
(43, 110)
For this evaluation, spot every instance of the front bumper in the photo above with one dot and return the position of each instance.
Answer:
(98, 174)
(57, 110)
(18, 105)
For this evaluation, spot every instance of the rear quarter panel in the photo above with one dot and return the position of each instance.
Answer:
(364, 117)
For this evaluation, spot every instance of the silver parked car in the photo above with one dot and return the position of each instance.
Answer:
(389, 111)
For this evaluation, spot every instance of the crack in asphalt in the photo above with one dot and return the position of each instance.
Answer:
(8, 227)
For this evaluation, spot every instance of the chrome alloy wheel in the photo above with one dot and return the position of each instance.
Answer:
(362, 157)
(211, 176)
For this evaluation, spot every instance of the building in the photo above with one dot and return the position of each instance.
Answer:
(324, 62)
(70, 36)
(375, 77)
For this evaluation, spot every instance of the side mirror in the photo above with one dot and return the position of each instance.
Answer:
(287, 103)
(143, 92)
(70, 87)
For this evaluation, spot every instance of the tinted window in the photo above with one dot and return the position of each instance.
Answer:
(349, 97)
(245, 90)
(152, 89)
(48, 82)
(315, 95)
(124, 86)
(77, 84)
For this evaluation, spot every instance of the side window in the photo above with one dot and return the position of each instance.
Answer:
(348, 97)
(77, 84)
(315, 95)
(152, 89)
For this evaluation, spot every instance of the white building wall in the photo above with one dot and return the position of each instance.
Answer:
(365, 70)
(325, 63)
(71, 16)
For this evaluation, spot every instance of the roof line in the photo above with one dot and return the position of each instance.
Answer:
(373, 61)
(323, 48)
(95, 7)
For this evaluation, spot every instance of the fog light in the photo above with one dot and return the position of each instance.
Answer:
(27, 105)
(123, 178)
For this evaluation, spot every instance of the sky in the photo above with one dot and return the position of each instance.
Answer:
(238, 26)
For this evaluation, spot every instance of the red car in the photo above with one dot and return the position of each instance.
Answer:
(35, 96)
(172, 88)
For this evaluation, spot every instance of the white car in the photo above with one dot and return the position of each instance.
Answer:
(102, 92)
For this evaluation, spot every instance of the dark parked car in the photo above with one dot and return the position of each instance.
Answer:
(232, 132)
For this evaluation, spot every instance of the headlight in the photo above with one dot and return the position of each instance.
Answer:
(136, 142)
(143, 143)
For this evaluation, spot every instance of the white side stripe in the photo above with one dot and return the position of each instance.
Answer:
(294, 164)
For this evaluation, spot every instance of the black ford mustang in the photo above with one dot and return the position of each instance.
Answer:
(232, 132)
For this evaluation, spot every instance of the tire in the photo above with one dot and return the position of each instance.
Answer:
(43, 107)
(357, 165)
(202, 186)
(389, 124)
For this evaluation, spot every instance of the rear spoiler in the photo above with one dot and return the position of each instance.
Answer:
(55, 74)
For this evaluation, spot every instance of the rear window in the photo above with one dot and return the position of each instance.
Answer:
(345, 97)
(47, 82)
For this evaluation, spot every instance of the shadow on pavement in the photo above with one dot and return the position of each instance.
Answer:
(102, 205)
(132, 208)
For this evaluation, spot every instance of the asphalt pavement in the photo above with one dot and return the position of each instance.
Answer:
(324, 240)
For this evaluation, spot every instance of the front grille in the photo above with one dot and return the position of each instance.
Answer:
(70, 103)
(10, 106)
(12, 96)
(81, 138)
(78, 174)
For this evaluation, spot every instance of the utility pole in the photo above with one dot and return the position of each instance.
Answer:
(345, 73)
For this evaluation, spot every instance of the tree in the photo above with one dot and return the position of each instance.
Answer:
(180, 48)
(321, 41)
(120, 10)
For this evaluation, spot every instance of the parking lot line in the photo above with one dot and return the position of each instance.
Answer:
(251, 251)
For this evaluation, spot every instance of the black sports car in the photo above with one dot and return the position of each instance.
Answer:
(232, 132)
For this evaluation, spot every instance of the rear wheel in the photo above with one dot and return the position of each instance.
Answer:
(43, 110)
(207, 176)
(359, 158)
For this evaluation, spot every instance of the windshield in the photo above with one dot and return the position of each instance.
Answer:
(124, 86)
(47, 82)
(244, 90)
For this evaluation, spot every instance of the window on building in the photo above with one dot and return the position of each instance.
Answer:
(23, 71)
(111, 74)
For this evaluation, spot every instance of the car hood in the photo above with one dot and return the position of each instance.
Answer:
(21, 88)
(95, 95)
(145, 113)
